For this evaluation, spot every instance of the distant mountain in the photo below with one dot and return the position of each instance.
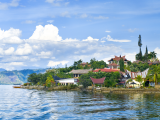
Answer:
(15, 76)
(1, 69)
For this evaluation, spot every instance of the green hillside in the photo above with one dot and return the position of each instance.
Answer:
(15, 76)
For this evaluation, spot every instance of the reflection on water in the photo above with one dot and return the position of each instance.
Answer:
(34, 104)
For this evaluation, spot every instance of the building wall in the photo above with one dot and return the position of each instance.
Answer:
(68, 81)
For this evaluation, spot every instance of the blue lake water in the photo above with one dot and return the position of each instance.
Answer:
(42, 105)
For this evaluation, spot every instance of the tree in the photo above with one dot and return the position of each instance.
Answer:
(139, 41)
(121, 63)
(139, 79)
(50, 81)
(140, 55)
(146, 55)
(153, 54)
(154, 72)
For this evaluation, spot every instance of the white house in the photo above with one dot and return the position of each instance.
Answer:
(67, 81)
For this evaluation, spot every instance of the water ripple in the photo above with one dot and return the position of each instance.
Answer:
(60, 105)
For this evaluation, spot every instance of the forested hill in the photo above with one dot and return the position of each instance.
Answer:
(15, 76)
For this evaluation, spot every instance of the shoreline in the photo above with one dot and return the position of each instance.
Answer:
(102, 89)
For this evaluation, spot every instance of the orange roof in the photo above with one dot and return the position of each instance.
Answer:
(118, 58)
(106, 70)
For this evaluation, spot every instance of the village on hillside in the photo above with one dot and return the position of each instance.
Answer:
(120, 72)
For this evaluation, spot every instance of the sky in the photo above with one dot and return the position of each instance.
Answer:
(54, 33)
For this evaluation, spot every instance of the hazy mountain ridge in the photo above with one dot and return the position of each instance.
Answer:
(17, 76)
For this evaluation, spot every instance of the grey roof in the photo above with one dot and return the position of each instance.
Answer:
(80, 71)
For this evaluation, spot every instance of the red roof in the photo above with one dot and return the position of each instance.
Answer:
(118, 58)
(98, 81)
(106, 70)
(84, 63)
(113, 64)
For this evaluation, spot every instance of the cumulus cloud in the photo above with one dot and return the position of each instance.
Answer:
(48, 32)
(157, 50)
(44, 54)
(46, 44)
(52, 63)
(10, 36)
(90, 39)
(25, 49)
(9, 51)
(108, 38)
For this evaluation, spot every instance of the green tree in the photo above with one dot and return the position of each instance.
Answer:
(121, 63)
(139, 79)
(139, 41)
(146, 55)
(50, 81)
(154, 72)
(140, 55)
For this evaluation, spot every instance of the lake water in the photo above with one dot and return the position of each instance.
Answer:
(40, 105)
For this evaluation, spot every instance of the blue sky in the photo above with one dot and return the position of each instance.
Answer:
(52, 33)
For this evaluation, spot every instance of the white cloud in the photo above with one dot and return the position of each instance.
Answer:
(108, 31)
(10, 36)
(52, 63)
(9, 51)
(157, 50)
(16, 64)
(108, 38)
(29, 21)
(132, 30)
(25, 49)
(66, 3)
(48, 32)
(1, 51)
(44, 54)
(13, 3)
(130, 56)
(36, 65)
(90, 39)
(33, 59)
(83, 16)
(50, 21)
(101, 17)
(50, 1)
(65, 14)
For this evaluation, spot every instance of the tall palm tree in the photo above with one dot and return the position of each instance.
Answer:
(153, 54)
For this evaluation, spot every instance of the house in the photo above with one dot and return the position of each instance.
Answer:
(114, 62)
(65, 81)
(79, 72)
(84, 64)
(133, 75)
(107, 70)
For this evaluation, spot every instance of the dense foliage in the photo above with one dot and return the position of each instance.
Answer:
(41, 78)
(135, 67)
(154, 73)
(110, 81)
